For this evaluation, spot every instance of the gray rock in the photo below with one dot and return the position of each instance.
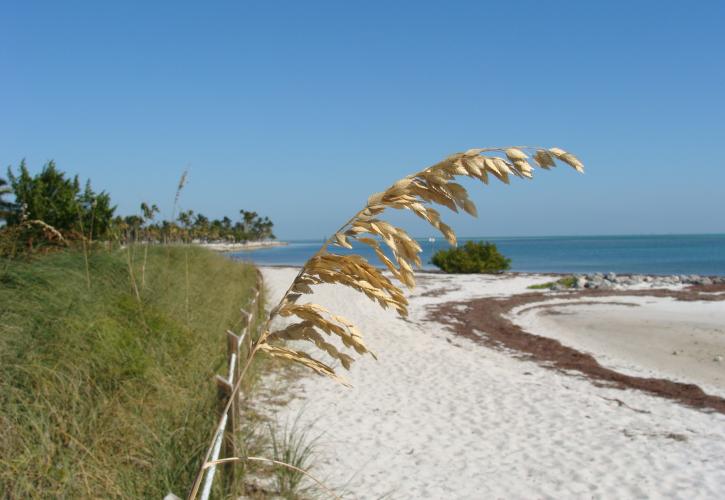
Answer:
(717, 359)
(612, 277)
(705, 281)
(581, 282)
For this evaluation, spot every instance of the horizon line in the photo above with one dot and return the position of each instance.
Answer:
(437, 236)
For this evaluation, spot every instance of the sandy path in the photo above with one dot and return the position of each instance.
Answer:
(441, 417)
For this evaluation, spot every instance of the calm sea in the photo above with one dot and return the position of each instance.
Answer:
(678, 254)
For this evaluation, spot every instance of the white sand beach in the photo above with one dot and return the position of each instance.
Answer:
(240, 247)
(442, 416)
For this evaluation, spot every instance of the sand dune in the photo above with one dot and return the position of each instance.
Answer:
(443, 417)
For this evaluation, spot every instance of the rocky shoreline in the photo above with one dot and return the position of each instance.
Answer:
(613, 281)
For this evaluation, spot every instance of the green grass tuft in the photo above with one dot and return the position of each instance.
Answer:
(294, 446)
(566, 282)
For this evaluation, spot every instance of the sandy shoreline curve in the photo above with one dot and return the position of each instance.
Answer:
(648, 336)
(625, 330)
(442, 415)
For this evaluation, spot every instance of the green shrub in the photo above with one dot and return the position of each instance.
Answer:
(473, 257)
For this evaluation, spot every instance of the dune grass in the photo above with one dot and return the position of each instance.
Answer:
(105, 393)
(293, 445)
(565, 282)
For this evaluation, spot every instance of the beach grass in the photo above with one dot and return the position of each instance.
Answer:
(565, 282)
(292, 445)
(105, 388)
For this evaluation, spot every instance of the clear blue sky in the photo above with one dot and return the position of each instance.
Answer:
(300, 110)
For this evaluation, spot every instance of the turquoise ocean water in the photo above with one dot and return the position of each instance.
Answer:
(666, 254)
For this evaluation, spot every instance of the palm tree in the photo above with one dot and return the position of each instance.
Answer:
(148, 212)
(201, 227)
(5, 206)
(248, 219)
(185, 218)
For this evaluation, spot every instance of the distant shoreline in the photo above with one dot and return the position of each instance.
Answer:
(241, 247)
(656, 255)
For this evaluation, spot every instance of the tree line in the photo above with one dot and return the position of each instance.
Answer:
(51, 207)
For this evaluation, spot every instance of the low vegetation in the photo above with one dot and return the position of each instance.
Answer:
(473, 257)
(292, 445)
(565, 282)
(105, 382)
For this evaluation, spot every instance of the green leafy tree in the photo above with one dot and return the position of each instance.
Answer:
(96, 212)
(58, 201)
(49, 196)
(473, 257)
